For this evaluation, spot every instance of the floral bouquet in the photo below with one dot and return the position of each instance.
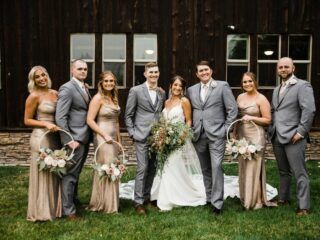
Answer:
(243, 148)
(55, 161)
(115, 170)
(166, 137)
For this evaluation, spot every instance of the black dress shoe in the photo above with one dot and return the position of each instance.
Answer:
(216, 211)
(283, 202)
(208, 204)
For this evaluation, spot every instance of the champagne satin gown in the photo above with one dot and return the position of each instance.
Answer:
(252, 173)
(105, 193)
(44, 195)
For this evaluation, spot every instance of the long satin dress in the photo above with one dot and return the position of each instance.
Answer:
(105, 193)
(44, 195)
(252, 173)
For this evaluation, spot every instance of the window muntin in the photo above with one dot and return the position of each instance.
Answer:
(82, 46)
(114, 56)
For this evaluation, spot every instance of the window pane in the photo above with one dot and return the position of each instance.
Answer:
(90, 77)
(138, 74)
(237, 47)
(114, 46)
(82, 46)
(145, 48)
(299, 47)
(234, 75)
(301, 70)
(117, 69)
(267, 74)
(268, 47)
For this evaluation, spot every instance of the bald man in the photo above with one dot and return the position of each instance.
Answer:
(293, 109)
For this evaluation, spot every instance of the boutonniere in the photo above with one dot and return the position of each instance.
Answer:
(293, 81)
(213, 84)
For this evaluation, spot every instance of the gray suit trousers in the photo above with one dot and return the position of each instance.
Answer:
(70, 180)
(146, 169)
(211, 154)
(292, 157)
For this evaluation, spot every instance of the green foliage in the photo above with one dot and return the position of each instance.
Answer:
(180, 223)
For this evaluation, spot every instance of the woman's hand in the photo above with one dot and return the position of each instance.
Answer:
(247, 118)
(107, 138)
(52, 127)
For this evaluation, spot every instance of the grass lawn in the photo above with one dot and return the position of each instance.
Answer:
(181, 223)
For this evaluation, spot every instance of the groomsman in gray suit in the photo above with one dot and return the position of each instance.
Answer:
(144, 106)
(293, 109)
(214, 109)
(71, 115)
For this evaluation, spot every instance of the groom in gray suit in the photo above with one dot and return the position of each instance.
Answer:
(293, 109)
(144, 106)
(214, 109)
(71, 115)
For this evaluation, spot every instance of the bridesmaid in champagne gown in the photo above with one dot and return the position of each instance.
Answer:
(44, 195)
(103, 118)
(253, 106)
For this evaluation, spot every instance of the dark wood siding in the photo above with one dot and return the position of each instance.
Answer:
(35, 32)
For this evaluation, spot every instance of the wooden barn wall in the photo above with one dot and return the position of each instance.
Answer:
(38, 32)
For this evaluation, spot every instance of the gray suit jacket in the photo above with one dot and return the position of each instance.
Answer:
(216, 113)
(71, 113)
(293, 112)
(141, 113)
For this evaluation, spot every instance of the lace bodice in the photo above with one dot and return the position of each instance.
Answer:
(175, 114)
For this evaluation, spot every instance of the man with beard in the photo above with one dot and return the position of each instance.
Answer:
(293, 109)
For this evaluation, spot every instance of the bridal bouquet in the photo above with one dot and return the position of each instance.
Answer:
(242, 148)
(167, 137)
(55, 161)
(114, 171)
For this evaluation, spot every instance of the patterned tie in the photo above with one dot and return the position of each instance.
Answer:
(86, 95)
(283, 88)
(204, 92)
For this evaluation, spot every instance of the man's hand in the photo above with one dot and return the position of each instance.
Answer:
(74, 144)
(296, 138)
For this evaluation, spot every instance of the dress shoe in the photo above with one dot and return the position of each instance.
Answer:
(208, 204)
(73, 217)
(140, 210)
(283, 202)
(302, 212)
(216, 211)
(152, 204)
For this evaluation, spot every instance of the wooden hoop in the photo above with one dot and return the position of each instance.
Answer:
(240, 120)
(96, 151)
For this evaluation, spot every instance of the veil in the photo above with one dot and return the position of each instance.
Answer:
(191, 160)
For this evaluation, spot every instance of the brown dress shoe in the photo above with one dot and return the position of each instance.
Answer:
(140, 210)
(302, 212)
(73, 217)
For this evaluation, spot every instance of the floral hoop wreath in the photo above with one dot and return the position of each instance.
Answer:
(113, 171)
(242, 147)
(55, 161)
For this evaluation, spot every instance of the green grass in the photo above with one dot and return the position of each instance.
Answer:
(180, 223)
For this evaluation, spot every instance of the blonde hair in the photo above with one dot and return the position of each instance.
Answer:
(103, 92)
(253, 78)
(150, 65)
(32, 85)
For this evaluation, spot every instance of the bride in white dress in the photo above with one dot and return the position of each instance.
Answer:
(181, 182)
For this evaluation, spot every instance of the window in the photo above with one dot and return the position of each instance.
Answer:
(114, 56)
(268, 55)
(237, 58)
(83, 47)
(145, 50)
(300, 51)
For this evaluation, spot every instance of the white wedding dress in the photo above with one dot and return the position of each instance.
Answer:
(181, 182)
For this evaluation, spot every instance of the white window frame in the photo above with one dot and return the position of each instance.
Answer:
(238, 62)
(269, 61)
(110, 60)
(86, 60)
(142, 62)
(308, 62)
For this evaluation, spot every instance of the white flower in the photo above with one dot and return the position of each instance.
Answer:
(234, 149)
(104, 167)
(116, 172)
(48, 160)
(61, 163)
(54, 163)
(242, 150)
(252, 148)
(259, 147)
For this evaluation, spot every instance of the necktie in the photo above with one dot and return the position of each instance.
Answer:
(153, 88)
(86, 96)
(283, 88)
(204, 92)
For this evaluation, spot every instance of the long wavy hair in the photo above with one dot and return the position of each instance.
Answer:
(103, 92)
(183, 84)
(253, 77)
(32, 85)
